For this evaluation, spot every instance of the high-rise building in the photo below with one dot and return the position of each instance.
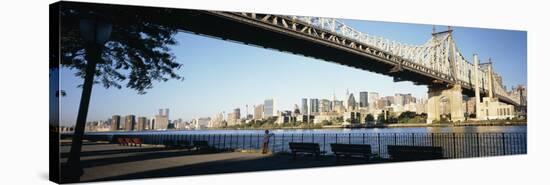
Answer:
(129, 122)
(258, 111)
(160, 122)
(363, 99)
(399, 99)
(304, 107)
(200, 123)
(351, 102)
(115, 122)
(216, 121)
(314, 105)
(372, 98)
(324, 105)
(237, 113)
(142, 123)
(403, 99)
(269, 108)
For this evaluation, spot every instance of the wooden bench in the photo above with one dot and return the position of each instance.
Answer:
(348, 150)
(414, 153)
(305, 148)
(201, 145)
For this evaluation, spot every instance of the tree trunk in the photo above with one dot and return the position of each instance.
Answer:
(74, 170)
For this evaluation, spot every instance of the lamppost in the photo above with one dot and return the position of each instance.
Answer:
(95, 30)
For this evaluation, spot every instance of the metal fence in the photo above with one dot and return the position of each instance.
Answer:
(455, 145)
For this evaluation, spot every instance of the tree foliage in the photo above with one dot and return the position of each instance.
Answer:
(137, 53)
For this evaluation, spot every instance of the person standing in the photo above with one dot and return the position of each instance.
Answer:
(265, 147)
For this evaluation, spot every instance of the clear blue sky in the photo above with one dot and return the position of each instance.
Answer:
(221, 75)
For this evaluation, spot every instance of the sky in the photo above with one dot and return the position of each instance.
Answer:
(221, 75)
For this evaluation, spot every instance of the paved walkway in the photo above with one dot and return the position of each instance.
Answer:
(114, 162)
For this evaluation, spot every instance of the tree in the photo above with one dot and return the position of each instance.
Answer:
(137, 53)
(369, 118)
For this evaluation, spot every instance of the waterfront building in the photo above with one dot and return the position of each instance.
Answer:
(269, 108)
(237, 113)
(258, 111)
(351, 103)
(142, 123)
(129, 122)
(285, 117)
(352, 117)
(200, 123)
(491, 108)
(325, 116)
(324, 105)
(304, 109)
(398, 100)
(314, 106)
(160, 122)
(216, 121)
(372, 98)
(115, 122)
(338, 106)
(363, 99)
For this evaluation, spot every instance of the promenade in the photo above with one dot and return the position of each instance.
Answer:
(104, 161)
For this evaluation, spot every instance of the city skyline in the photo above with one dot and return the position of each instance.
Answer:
(251, 74)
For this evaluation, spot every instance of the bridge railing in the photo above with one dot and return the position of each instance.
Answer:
(434, 54)
(455, 145)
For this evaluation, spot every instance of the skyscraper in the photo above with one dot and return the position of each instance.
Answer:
(324, 105)
(129, 122)
(304, 107)
(314, 105)
(258, 111)
(115, 122)
(161, 122)
(399, 99)
(363, 99)
(269, 108)
(372, 98)
(142, 123)
(237, 113)
(351, 102)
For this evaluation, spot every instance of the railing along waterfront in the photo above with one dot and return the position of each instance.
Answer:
(455, 145)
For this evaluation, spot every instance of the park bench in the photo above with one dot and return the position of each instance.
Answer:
(201, 145)
(137, 141)
(348, 150)
(122, 141)
(305, 148)
(128, 141)
(414, 153)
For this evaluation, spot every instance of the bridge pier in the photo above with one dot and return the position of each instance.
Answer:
(445, 100)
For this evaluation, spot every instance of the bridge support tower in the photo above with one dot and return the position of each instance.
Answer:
(444, 100)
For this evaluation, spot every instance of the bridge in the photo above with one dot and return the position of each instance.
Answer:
(437, 63)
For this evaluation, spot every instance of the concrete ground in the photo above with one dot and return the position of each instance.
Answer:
(103, 161)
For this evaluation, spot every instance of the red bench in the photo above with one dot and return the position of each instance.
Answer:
(137, 141)
(122, 141)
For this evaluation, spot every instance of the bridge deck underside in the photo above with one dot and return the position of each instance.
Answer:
(208, 24)
(262, 34)
(204, 23)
